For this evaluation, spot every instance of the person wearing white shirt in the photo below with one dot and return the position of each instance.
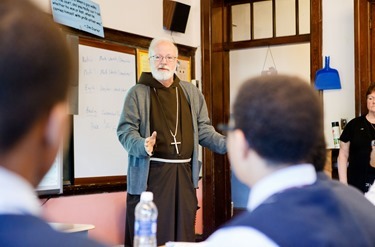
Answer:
(275, 146)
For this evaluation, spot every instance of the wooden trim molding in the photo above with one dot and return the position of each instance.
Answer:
(215, 84)
(316, 37)
(363, 38)
(236, 45)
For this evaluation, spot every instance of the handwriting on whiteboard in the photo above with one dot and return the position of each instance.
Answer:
(104, 78)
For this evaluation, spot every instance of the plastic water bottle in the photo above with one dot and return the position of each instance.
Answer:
(146, 215)
(336, 134)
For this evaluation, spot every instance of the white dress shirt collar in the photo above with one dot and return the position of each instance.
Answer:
(285, 178)
(17, 196)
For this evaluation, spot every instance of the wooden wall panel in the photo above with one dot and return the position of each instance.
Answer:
(364, 53)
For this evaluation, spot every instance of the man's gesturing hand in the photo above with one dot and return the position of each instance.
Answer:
(150, 143)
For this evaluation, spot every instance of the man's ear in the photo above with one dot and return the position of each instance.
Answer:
(240, 144)
(56, 125)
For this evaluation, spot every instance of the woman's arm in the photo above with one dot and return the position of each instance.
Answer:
(342, 161)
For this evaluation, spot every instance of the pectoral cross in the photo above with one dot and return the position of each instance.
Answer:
(175, 144)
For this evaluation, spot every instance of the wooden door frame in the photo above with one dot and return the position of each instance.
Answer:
(364, 58)
(215, 86)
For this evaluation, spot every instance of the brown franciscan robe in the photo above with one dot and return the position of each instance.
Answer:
(163, 120)
(171, 183)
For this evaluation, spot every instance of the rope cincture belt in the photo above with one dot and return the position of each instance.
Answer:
(170, 160)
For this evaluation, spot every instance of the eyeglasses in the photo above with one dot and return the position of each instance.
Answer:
(158, 58)
(227, 127)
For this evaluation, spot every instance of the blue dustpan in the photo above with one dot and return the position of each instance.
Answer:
(327, 78)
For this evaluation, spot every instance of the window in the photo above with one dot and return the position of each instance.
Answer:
(264, 22)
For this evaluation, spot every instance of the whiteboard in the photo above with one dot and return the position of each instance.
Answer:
(104, 79)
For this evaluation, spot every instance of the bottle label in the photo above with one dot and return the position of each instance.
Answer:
(336, 137)
(145, 228)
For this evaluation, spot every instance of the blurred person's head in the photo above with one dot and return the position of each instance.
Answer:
(35, 69)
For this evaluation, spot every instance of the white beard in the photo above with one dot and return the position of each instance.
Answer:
(161, 75)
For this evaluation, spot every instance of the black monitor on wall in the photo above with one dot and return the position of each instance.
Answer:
(175, 16)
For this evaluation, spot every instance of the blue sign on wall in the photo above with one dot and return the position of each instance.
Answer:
(81, 14)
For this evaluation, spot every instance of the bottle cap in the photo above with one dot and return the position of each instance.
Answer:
(147, 196)
(334, 124)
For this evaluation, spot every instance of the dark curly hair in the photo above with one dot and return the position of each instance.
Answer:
(370, 89)
(281, 117)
